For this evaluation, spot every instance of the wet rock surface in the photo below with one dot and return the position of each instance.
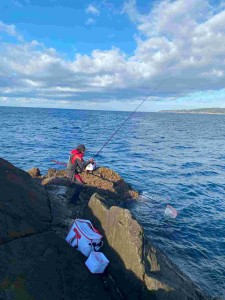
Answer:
(37, 263)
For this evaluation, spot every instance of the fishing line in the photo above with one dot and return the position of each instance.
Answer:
(131, 114)
(150, 95)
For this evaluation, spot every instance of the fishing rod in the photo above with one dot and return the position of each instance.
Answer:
(131, 114)
(59, 162)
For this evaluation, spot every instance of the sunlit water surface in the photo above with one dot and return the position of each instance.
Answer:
(176, 159)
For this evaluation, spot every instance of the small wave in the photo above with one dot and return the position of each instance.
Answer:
(221, 157)
(182, 147)
(156, 142)
(191, 165)
(207, 173)
(221, 167)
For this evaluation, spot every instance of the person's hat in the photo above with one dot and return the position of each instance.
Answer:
(81, 148)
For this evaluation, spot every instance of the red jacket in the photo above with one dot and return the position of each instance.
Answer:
(76, 154)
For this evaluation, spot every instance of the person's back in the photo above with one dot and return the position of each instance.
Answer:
(75, 166)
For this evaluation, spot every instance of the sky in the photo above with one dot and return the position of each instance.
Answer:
(112, 54)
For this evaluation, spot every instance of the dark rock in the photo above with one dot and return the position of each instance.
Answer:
(140, 270)
(43, 266)
(61, 181)
(109, 185)
(54, 172)
(24, 205)
(36, 262)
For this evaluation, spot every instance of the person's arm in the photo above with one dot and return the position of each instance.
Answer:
(80, 164)
(86, 163)
(83, 164)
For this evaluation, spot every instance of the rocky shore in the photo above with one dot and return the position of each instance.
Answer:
(37, 263)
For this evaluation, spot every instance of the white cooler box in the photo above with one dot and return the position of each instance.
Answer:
(96, 262)
(84, 236)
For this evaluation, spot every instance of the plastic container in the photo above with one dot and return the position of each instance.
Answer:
(97, 262)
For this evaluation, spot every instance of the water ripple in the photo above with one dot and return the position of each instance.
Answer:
(172, 158)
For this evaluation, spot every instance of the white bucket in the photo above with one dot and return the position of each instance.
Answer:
(84, 236)
(97, 262)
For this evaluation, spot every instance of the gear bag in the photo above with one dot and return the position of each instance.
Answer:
(84, 236)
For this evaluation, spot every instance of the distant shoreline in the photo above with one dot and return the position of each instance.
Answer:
(208, 111)
(193, 113)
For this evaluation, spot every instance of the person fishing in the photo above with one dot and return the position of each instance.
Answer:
(75, 166)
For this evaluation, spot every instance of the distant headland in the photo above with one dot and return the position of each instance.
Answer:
(214, 110)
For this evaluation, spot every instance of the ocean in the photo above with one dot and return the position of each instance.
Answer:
(170, 158)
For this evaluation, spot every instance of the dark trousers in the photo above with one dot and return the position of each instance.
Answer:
(78, 189)
(78, 185)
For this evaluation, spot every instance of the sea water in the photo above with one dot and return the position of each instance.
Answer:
(171, 159)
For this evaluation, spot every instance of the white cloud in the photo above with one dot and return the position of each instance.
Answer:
(111, 7)
(21, 3)
(94, 11)
(130, 9)
(91, 9)
(90, 21)
(10, 30)
(182, 39)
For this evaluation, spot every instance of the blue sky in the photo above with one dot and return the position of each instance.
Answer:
(112, 54)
